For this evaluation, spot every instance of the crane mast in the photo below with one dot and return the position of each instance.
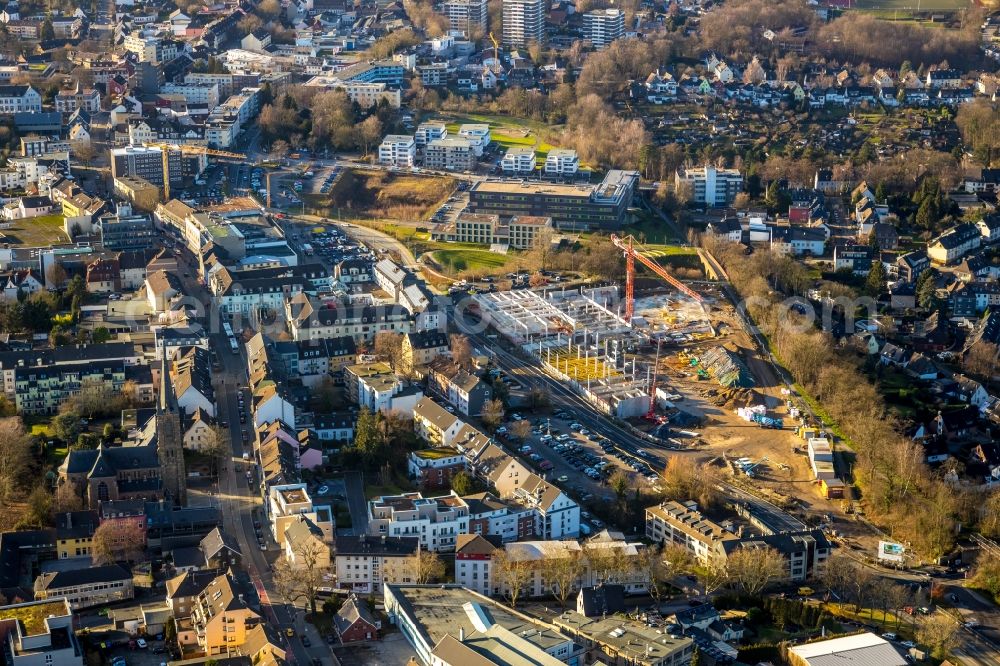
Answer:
(628, 246)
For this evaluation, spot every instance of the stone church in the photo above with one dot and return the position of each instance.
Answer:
(150, 470)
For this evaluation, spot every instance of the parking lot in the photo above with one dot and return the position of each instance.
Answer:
(154, 654)
(581, 462)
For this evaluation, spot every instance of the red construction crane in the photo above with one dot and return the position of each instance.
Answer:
(628, 244)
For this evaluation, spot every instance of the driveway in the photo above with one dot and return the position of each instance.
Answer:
(354, 485)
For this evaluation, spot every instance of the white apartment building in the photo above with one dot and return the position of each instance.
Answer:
(709, 185)
(207, 94)
(466, 16)
(603, 26)
(20, 99)
(519, 160)
(42, 634)
(427, 132)
(398, 150)
(478, 135)
(523, 22)
(436, 521)
(286, 503)
(562, 162)
(558, 515)
(450, 154)
(473, 564)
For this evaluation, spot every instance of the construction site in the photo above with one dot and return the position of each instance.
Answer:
(677, 363)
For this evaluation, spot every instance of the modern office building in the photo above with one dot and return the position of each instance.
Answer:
(523, 22)
(601, 206)
(603, 26)
(709, 185)
(146, 162)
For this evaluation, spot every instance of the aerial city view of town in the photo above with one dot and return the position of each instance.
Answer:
(499, 332)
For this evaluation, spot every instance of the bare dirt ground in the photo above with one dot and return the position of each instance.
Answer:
(785, 477)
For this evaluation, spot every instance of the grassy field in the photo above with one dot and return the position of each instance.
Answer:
(458, 260)
(35, 231)
(909, 7)
(379, 195)
(508, 132)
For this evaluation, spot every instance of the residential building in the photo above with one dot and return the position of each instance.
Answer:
(435, 521)
(287, 503)
(603, 26)
(857, 258)
(709, 185)
(478, 135)
(41, 389)
(377, 388)
(520, 232)
(601, 206)
(40, 633)
(954, 244)
(434, 424)
(474, 566)
(75, 532)
(19, 99)
(354, 622)
(428, 132)
(523, 23)
(220, 618)
(466, 392)
(309, 319)
(557, 515)
(562, 162)
(804, 552)
(433, 468)
(466, 16)
(398, 150)
(420, 348)
(11, 361)
(519, 160)
(68, 101)
(306, 546)
(798, 241)
(366, 564)
(84, 588)
(450, 154)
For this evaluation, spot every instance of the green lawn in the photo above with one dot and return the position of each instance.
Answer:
(35, 231)
(508, 132)
(458, 260)
(908, 6)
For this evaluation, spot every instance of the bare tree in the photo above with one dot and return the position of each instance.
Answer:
(683, 479)
(15, 456)
(712, 576)
(521, 429)
(388, 346)
(461, 350)
(981, 360)
(117, 541)
(561, 575)
(68, 497)
(609, 564)
(96, 396)
(493, 413)
(939, 633)
(753, 569)
(511, 574)
(369, 131)
(302, 577)
(664, 563)
(428, 567)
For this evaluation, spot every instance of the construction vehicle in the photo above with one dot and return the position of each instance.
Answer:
(186, 149)
(628, 246)
(767, 421)
(749, 469)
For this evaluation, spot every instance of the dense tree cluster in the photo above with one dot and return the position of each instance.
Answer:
(898, 487)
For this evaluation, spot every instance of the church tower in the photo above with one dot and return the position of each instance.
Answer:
(169, 440)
